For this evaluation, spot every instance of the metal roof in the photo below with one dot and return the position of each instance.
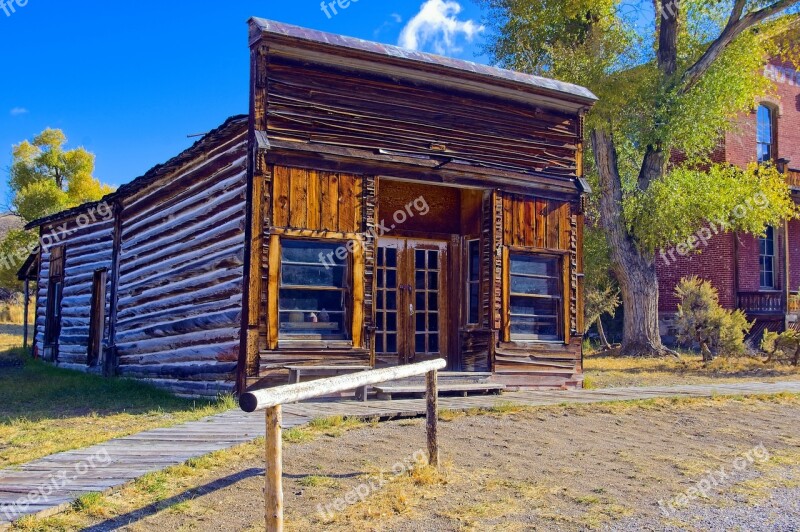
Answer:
(331, 39)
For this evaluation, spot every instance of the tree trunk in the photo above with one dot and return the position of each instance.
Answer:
(635, 273)
(601, 331)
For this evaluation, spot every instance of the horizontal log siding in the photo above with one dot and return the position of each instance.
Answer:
(181, 274)
(87, 248)
(335, 108)
(540, 225)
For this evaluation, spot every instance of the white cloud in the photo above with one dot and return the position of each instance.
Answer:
(18, 111)
(397, 17)
(436, 27)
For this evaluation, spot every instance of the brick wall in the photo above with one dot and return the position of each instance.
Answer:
(716, 262)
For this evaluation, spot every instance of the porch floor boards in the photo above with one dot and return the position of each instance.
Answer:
(133, 456)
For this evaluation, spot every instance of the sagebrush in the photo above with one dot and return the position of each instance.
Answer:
(702, 322)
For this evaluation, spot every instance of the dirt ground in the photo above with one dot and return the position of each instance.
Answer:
(559, 468)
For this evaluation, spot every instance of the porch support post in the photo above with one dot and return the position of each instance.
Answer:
(432, 421)
(273, 494)
(26, 300)
(786, 272)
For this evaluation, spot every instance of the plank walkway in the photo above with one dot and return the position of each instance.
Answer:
(49, 485)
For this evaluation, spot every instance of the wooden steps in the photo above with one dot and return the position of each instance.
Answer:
(385, 392)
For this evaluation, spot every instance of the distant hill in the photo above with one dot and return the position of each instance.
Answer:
(9, 221)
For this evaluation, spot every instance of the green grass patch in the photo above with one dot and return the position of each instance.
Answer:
(45, 409)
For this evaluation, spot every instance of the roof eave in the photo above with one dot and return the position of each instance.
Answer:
(311, 44)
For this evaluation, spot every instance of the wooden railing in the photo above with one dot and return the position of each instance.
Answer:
(793, 177)
(271, 399)
(761, 302)
(794, 302)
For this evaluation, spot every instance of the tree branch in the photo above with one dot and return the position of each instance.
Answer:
(668, 36)
(736, 25)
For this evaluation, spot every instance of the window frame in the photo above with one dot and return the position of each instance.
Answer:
(771, 145)
(764, 258)
(55, 293)
(561, 278)
(279, 339)
(472, 281)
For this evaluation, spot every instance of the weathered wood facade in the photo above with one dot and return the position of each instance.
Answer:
(377, 207)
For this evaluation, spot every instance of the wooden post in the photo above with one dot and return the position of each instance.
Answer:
(27, 298)
(273, 493)
(432, 396)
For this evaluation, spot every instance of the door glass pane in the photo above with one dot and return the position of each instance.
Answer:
(433, 343)
(419, 344)
(419, 259)
(391, 257)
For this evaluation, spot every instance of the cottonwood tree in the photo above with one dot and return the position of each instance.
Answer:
(44, 178)
(672, 77)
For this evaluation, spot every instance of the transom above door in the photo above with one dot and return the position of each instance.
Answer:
(410, 301)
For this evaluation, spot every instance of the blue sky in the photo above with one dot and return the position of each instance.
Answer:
(130, 80)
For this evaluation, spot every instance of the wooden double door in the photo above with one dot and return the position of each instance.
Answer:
(411, 296)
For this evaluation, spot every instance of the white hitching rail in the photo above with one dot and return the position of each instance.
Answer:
(291, 393)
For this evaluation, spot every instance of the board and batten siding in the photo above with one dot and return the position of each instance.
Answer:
(87, 248)
(179, 300)
(548, 227)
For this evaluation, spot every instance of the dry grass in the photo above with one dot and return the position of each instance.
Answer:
(477, 498)
(13, 312)
(610, 372)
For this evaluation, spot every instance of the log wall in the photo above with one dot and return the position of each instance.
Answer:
(179, 300)
(87, 248)
(174, 296)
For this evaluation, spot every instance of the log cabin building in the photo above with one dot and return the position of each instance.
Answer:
(377, 206)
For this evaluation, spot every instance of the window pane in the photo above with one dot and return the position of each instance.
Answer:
(534, 306)
(531, 265)
(764, 125)
(301, 325)
(313, 296)
(311, 252)
(538, 328)
(534, 285)
(536, 300)
(301, 275)
(474, 301)
(474, 260)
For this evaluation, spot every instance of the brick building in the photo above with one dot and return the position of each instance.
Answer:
(750, 272)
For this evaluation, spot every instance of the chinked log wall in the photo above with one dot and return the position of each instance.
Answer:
(88, 247)
(178, 309)
(181, 263)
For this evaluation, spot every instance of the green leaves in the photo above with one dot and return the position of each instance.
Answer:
(45, 178)
(676, 207)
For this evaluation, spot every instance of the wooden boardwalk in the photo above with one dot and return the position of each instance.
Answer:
(49, 485)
